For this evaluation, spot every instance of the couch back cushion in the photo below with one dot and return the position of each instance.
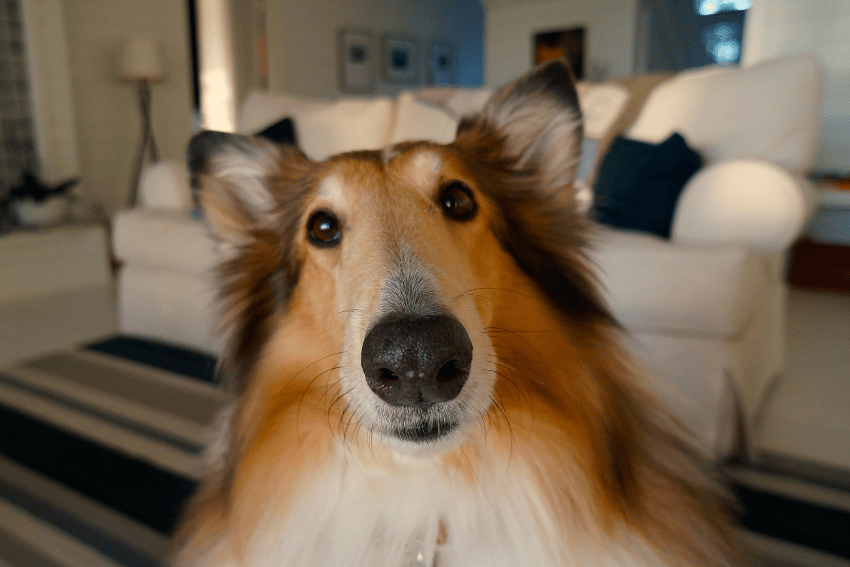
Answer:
(324, 127)
(770, 111)
(418, 120)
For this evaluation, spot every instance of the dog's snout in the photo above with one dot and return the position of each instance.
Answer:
(417, 361)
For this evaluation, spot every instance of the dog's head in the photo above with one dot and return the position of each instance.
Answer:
(394, 267)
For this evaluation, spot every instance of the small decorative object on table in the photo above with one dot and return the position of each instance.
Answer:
(821, 260)
(35, 204)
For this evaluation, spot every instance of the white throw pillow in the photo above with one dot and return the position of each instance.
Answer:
(323, 128)
(417, 120)
(465, 102)
(345, 125)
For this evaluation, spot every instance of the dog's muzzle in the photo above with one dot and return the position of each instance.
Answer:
(417, 362)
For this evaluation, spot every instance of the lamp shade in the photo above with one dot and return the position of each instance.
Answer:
(139, 60)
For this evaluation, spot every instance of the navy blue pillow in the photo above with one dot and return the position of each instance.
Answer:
(639, 184)
(282, 132)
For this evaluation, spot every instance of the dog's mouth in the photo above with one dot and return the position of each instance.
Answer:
(426, 431)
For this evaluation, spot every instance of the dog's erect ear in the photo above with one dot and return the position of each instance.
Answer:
(232, 176)
(539, 120)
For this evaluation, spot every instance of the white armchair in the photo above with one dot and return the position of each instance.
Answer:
(707, 307)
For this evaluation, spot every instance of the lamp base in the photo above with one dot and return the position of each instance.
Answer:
(147, 142)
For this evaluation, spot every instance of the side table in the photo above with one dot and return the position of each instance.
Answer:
(821, 260)
(56, 289)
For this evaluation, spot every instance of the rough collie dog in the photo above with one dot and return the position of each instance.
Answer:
(426, 373)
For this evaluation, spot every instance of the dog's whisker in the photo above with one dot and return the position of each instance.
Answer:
(297, 374)
(340, 395)
(495, 403)
(306, 390)
(348, 424)
(331, 383)
(503, 365)
(339, 429)
(500, 289)
(519, 381)
(344, 311)
(532, 354)
(470, 295)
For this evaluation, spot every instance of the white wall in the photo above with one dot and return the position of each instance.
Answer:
(106, 110)
(302, 37)
(302, 51)
(610, 29)
(780, 27)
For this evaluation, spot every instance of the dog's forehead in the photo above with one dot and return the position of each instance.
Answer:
(421, 165)
(418, 168)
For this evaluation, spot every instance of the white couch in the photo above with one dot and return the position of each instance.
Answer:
(705, 308)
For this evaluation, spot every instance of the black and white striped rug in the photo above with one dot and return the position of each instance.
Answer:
(100, 446)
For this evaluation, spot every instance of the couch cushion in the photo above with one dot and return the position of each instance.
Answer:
(418, 120)
(654, 285)
(639, 183)
(457, 101)
(601, 106)
(164, 240)
(770, 111)
(165, 186)
(324, 127)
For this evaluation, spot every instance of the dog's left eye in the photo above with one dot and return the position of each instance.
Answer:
(323, 229)
(457, 201)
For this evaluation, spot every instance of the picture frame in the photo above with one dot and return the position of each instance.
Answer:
(356, 61)
(566, 44)
(441, 62)
(400, 59)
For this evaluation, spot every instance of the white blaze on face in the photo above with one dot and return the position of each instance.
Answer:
(332, 189)
(425, 169)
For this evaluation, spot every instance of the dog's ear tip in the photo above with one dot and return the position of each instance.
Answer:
(556, 76)
(201, 146)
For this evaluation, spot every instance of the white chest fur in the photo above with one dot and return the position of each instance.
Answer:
(355, 517)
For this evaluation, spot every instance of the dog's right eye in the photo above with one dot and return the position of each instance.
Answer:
(323, 229)
(457, 201)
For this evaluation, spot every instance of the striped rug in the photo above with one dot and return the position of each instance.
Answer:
(100, 447)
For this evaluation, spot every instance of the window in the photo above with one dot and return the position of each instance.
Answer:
(17, 147)
(674, 35)
(722, 23)
(710, 7)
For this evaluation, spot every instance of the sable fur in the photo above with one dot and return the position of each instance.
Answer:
(564, 458)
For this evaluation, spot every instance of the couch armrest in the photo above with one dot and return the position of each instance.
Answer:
(165, 186)
(745, 201)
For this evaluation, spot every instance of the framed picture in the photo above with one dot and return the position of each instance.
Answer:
(356, 67)
(400, 59)
(441, 63)
(561, 44)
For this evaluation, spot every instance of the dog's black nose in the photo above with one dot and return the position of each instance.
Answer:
(417, 361)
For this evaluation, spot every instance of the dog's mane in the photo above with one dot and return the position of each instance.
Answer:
(257, 279)
(542, 231)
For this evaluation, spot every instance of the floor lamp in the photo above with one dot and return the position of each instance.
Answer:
(141, 64)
